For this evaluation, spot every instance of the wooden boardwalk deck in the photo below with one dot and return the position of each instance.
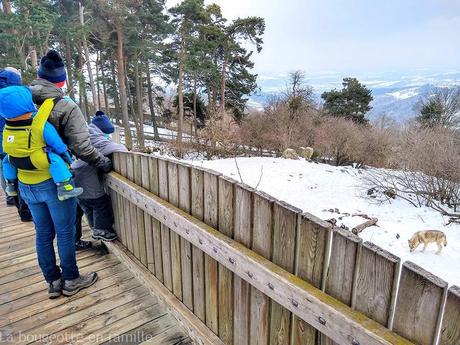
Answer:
(118, 309)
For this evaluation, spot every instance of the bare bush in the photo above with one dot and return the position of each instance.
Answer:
(344, 142)
(426, 163)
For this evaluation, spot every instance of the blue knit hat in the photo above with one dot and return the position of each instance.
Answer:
(9, 78)
(103, 122)
(16, 101)
(52, 68)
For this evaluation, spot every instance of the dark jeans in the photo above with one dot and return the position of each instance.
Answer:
(23, 209)
(79, 217)
(52, 218)
(98, 212)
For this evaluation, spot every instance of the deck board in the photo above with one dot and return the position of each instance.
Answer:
(117, 309)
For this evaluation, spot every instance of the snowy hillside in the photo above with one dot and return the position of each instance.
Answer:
(395, 94)
(317, 188)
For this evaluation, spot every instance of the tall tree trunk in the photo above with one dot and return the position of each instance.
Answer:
(122, 83)
(68, 58)
(6, 6)
(128, 91)
(140, 110)
(195, 87)
(87, 60)
(104, 87)
(156, 136)
(116, 98)
(222, 85)
(82, 86)
(33, 58)
(98, 86)
(180, 92)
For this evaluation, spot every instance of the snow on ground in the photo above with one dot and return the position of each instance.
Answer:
(316, 188)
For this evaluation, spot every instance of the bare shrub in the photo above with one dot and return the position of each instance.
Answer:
(426, 170)
(278, 128)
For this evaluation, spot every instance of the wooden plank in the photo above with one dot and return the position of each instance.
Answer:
(165, 233)
(156, 227)
(122, 203)
(312, 244)
(243, 234)
(197, 204)
(186, 248)
(111, 323)
(149, 330)
(172, 335)
(211, 215)
(133, 226)
(451, 323)
(226, 223)
(51, 316)
(173, 193)
(127, 225)
(195, 326)
(261, 244)
(108, 278)
(285, 219)
(375, 291)
(419, 304)
(138, 173)
(342, 267)
(338, 321)
(145, 183)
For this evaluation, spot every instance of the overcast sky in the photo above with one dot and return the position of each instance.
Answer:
(353, 36)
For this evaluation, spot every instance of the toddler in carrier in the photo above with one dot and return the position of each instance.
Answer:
(32, 142)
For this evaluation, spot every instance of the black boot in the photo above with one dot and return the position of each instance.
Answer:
(82, 245)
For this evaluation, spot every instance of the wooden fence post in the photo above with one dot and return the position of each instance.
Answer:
(261, 244)
(285, 218)
(211, 190)
(342, 268)
(421, 294)
(451, 323)
(226, 225)
(185, 194)
(312, 243)
(199, 304)
(165, 232)
(243, 234)
(376, 283)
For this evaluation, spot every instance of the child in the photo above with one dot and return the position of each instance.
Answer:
(33, 143)
(94, 201)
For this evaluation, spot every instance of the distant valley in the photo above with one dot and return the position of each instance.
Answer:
(395, 94)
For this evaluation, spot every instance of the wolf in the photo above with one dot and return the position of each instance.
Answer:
(427, 236)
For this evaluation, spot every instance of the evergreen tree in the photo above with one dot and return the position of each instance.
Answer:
(441, 107)
(352, 102)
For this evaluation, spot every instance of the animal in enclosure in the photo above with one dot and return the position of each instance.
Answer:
(290, 154)
(305, 152)
(426, 237)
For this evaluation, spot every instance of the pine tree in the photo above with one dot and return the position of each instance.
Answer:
(352, 102)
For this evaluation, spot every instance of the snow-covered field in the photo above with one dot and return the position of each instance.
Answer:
(317, 188)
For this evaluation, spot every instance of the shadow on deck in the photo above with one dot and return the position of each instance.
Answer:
(118, 309)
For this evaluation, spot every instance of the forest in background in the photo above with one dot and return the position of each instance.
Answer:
(121, 54)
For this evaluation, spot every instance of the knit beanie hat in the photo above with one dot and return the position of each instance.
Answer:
(52, 68)
(9, 76)
(102, 121)
(16, 101)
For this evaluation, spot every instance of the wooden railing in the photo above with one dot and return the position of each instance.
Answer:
(255, 270)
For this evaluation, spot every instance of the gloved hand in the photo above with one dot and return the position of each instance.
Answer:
(104, 164)
(67, 157)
